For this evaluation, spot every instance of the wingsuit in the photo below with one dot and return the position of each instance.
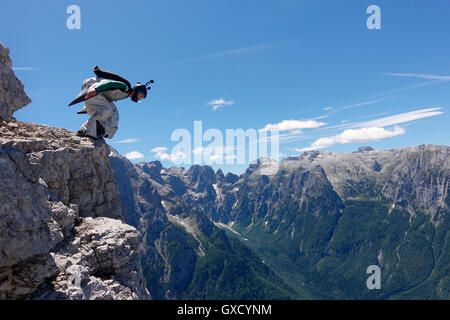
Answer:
(98, 94)
(104, 118)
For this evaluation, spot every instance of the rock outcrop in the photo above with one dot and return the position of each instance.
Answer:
(12, 95)
(61, 229)
(101, 262)
(60, 218)
(75, 170)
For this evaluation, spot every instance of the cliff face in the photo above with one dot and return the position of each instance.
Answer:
(61, 234)
(12, 96)
(168, 271)
(60, 219)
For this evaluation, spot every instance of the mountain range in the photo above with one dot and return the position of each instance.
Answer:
(317, 224)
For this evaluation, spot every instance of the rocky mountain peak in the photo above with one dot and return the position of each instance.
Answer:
(153, 169)
(231, 177)
(201, 177)
(364, 149)
(219, 175)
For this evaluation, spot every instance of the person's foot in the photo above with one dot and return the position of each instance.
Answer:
(83, 133)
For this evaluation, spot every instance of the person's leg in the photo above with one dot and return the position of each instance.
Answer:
(100, 129)
(89, 128)
(111, 124)
(99, 108)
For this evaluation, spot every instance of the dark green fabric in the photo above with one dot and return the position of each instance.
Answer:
(105, 85)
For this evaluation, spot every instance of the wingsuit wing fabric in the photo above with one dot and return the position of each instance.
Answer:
(104, 86)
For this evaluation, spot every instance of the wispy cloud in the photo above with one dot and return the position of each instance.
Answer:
(133, 155)
(434, 79)
(407, 88)
(332, 111)
(400, 118)
(420, 76)
(360, 104)
(128, 141)
(385, 121)
(24, 68)
(220, 54)
(217, 104)
(355, 135)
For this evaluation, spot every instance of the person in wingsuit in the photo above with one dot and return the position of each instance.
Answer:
(99, 94)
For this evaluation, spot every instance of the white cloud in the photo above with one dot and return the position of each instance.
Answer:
(128, 141)
(401, 118)
(133, 155)
(355, 135)
(420, 76)
(217, 104)
(159, 150)
(293, 125)
(198, 150)
(328, 108)
(161, 153)
(388, 121)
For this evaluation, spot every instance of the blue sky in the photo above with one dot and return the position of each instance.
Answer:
(285, 63)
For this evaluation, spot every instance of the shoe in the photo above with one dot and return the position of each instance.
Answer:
(83, 134)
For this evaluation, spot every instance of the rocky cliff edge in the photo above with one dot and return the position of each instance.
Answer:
(61, 229)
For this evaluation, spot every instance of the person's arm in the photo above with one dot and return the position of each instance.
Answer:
(110, 76)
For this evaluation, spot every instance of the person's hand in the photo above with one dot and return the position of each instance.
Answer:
(90, 94)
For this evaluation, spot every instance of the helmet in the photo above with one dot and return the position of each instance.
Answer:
(140, 88)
